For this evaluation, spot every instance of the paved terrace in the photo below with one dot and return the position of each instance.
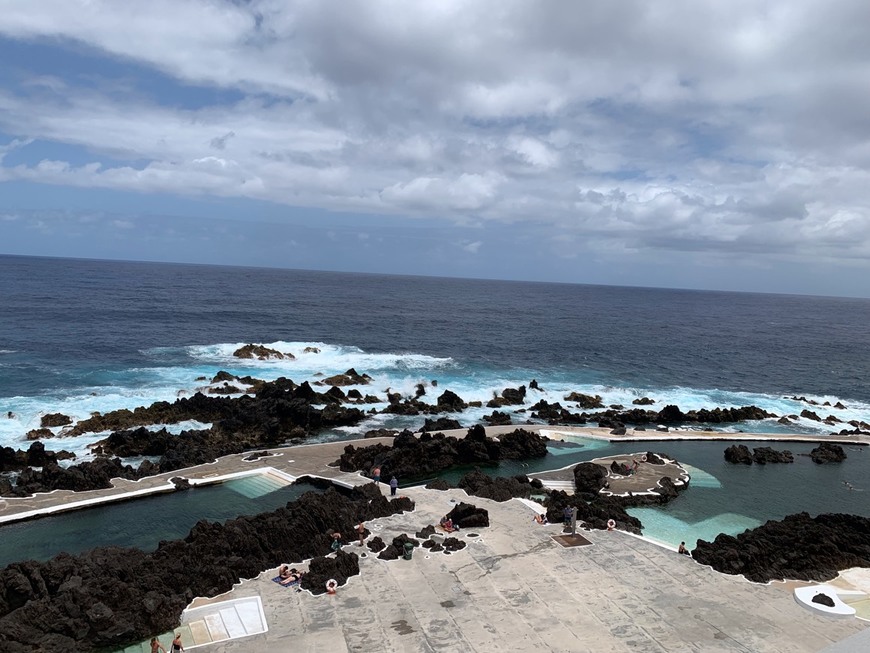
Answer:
(515, 589)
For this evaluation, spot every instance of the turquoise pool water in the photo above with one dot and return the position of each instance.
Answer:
(142, 523)
(724, 498)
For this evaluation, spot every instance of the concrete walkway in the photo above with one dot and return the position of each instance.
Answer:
(515, 589)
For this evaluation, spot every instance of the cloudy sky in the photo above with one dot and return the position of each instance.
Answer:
(697, 144)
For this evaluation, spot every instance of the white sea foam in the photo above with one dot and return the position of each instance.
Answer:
(398, 372)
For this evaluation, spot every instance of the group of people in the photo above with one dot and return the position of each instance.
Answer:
(176, 645)
(291, 576)
(376, 477)
(448, 525)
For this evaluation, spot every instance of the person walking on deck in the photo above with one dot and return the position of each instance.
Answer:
(394, 485)
(376, 474)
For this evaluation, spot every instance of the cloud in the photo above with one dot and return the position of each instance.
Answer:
(687, 127)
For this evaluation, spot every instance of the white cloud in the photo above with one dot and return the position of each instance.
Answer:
(691, 126)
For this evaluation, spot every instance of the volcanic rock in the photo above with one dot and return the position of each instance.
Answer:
(799, 547)
(738, 454)
(499, 488)
(145, 593)
(764, 455)
(585, 401)
(54, 419)
(260, 352)
(466, 515)
(589, 479)
(828, 452)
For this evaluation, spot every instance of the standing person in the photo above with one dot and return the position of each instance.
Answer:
(176, 643)
(156, 645)
(361, 531)
(394, 485)
(567, 514)
(376, 474)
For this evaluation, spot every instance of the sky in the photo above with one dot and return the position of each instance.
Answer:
(688, 143)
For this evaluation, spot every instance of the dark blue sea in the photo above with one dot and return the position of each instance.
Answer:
(78, 336)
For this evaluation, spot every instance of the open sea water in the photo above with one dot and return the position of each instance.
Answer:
(78, 336)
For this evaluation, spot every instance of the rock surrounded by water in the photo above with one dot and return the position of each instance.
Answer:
(413, 457)
(112, 596)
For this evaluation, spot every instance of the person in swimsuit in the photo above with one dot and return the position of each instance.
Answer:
(176, 643)
(156, 645)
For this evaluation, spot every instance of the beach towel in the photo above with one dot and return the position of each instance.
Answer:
(278, 580)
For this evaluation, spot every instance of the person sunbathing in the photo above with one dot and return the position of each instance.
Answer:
(542, 518)
(290, 576)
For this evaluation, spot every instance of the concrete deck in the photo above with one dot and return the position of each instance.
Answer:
(515, 589)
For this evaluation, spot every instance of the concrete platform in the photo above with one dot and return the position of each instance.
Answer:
(515, 589)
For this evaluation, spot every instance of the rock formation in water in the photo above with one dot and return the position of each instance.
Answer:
(828, 452)
(277, 412)
(799, 547)
(112, 596)
(738, 454)
(412, 457)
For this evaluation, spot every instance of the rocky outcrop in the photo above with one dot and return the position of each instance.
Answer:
(112, 597)
(738, 454)
(351, 377)
(585, 401)
(261, 352)
(499, 488)
(36, 455)
(466, 515)
(412, 457)
(441, 424)
(643, 401)
(799, 547)
(589, 479)
(764, 455)
(594, 514)
(497, 418)
(828, 452)
(55, 419)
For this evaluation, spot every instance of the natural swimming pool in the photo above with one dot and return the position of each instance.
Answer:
(143, 522)
(722, 497)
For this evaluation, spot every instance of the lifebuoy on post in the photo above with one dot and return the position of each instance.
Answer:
(611, 524)
(331, 584)
(643, 458)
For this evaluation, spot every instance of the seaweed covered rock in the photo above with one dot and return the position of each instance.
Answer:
(798, 547)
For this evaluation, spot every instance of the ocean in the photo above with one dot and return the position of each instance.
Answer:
(78, 336)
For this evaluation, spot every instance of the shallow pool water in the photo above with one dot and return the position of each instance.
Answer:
(143, 522)
(724, 498)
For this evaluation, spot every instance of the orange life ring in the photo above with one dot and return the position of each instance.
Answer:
(611, 524)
